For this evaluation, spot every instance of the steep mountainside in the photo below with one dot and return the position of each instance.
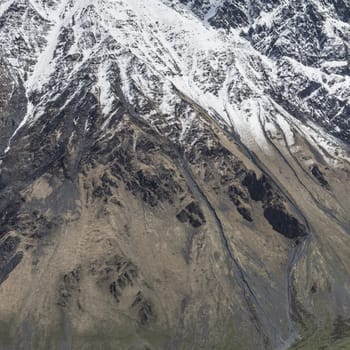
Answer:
(174, 174)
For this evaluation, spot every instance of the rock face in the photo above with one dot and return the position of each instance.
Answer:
(174, 174)
(309, 43)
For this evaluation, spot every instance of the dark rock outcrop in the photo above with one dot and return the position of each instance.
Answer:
(69, 285)
(259, 189)
(144, 309)
(9, 257)
(275, 210)
(283, 222)
(192, 214)
(316, 172)
(115, 274)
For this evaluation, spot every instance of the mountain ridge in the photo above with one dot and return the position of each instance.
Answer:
(167, 182)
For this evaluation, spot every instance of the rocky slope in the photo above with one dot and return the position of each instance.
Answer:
(174, 174)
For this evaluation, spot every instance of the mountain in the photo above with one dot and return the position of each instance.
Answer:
(174, 174)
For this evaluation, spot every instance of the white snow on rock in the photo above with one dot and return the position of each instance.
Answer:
(162, 49)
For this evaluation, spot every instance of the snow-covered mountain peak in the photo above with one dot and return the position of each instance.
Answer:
(174, 174)
(163, 46)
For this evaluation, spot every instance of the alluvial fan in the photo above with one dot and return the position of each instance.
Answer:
(174, 174)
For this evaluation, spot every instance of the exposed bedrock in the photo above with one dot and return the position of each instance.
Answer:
(9, 257)
(275, 210)
(193, 214)
(139, 202)
(169, 193)
(283, 222)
